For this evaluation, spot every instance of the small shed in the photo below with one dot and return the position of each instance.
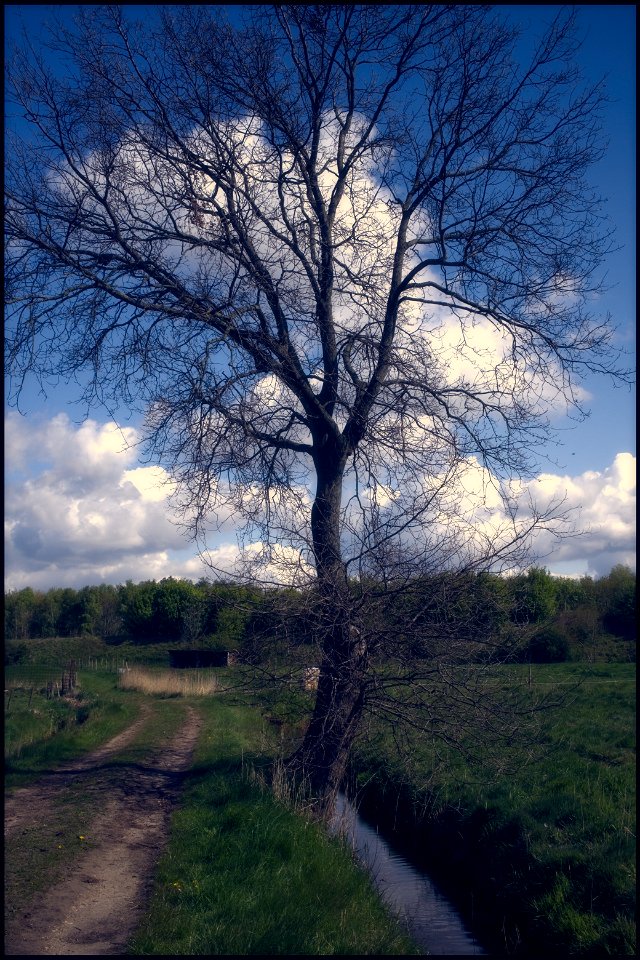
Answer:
(184, 659)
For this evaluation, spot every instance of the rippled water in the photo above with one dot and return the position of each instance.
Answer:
(432, 921)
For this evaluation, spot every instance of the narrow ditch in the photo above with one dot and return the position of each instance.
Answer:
(431, 919)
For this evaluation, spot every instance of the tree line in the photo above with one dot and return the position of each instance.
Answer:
(168, 610)
(560, 618)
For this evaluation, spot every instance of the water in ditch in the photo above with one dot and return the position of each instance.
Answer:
(432, 921)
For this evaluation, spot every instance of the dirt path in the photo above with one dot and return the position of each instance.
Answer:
(94, 910)
(31, 805)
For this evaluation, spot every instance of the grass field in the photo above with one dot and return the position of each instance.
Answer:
(548, 852)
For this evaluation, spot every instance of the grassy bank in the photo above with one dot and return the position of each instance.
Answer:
(55, 651)
(245, 875)
(543, 859)
(42, 733)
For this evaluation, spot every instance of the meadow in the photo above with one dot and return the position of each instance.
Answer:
(540, 860)
(542, 857)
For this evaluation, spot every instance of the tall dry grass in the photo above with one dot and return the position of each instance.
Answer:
(173, 683)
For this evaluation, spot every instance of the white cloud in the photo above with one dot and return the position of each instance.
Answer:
(268, 565)
(601, 505)
(606, 500)
(152, 483)
(79, 510)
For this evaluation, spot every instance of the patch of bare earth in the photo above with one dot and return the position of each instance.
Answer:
(95, 910)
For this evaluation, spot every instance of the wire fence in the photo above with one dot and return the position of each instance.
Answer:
(115, 664)
(49, 681)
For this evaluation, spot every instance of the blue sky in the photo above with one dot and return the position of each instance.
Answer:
(82, 510)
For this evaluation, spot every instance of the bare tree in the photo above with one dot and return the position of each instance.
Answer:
(347, 244)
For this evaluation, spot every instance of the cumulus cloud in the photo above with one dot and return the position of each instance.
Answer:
(80, 509)
(269, 565)
(575, 525)
(605, 505)
(599, 505)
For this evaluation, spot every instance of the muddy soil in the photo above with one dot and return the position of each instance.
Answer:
(96, 908)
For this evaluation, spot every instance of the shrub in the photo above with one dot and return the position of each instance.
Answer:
(549, 646)
(16, 653)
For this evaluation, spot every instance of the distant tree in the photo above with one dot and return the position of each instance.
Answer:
(179, 611)
(276, 623)
(167, 606)
(194, 615)
(108, 620)
(570, 593)
(19, 611)
(339, 246)
(88, 610)
(617, 601)
(549, 645)
(70, 615)
(588, 586)
(535, 596)
(136, 606)
(49, 613)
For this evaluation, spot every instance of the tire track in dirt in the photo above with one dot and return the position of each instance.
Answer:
(95, 910)
(31, 805)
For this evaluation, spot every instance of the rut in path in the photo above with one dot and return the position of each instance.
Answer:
(28, 806)
(95, 910)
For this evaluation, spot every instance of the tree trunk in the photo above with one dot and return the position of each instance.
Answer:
(319, 764)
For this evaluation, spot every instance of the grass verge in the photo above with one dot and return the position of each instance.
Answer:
(245, 875)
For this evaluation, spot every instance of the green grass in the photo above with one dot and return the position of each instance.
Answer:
(31, 718)
(53, 732)
(54, 651)
(46, 733)
(551, 846)
(548, 851)
(245, 875)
